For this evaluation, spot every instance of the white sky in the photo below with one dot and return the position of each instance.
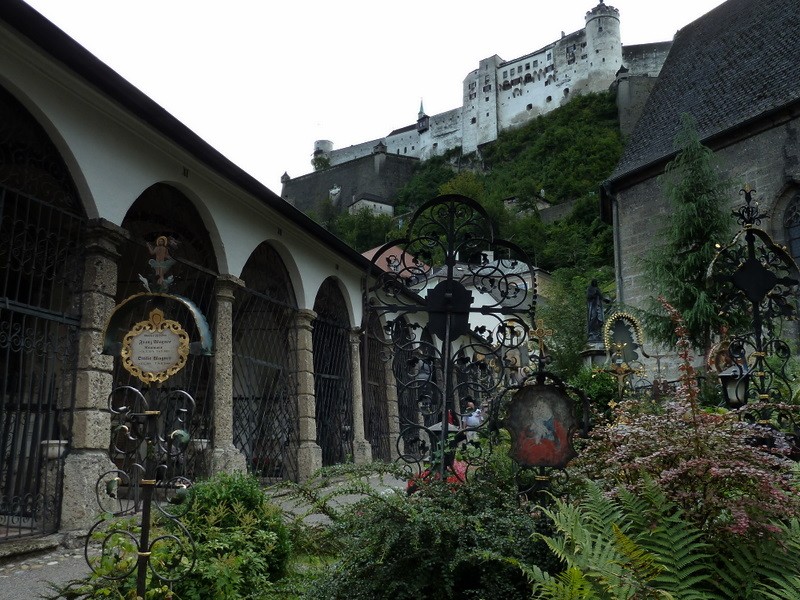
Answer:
(261, 80)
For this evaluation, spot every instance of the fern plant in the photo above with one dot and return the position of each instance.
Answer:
(632, 546)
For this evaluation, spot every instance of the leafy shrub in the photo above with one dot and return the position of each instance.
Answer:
(431, 544)
(241, 540)
(642, 546)
(241, 547)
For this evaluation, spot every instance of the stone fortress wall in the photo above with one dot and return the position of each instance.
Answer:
(502, 95)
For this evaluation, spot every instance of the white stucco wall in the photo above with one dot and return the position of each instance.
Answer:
(113, 157)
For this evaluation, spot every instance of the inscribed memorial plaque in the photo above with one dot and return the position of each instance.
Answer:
(155, 349)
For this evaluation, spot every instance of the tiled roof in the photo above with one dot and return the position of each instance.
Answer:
(735, 64)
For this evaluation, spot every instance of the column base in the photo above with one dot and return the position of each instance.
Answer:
(79, 507)
(228, 459)
(362, 452)
(309, 459)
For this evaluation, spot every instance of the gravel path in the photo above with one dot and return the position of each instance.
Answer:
(26, 577)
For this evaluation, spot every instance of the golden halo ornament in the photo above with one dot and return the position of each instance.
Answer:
(156, 349)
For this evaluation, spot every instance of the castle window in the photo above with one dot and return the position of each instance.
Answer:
(549, 56)
(487, 114)
(505, 74)
(566, 91)
(487, 98)
(473, 120)
(535, 64)
(549, 98)
(527, 66)
(529, 107)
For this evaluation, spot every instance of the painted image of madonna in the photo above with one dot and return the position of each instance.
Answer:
(541, 422)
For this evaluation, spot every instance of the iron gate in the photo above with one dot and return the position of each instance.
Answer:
(42, 239)
(40, 274)
(264, 395)
(332, 376)
(376, 417)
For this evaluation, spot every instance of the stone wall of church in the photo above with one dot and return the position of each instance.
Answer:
(769, 162)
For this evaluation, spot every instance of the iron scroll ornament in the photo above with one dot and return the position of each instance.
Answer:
(456, 335)
(760, 280)
(149, 446)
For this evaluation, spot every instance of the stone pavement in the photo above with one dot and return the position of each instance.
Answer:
(27, 576)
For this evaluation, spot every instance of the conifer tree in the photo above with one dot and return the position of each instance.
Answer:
(697, 221)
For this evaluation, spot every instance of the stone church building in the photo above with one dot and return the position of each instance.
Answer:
(735, 70)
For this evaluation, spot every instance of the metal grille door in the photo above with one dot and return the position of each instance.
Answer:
(332, 376)
(40, 275)
(376, 417)
(264, 398)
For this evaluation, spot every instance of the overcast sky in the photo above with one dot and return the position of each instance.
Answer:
(261, 80)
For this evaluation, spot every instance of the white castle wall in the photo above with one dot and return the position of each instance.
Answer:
(502, 95)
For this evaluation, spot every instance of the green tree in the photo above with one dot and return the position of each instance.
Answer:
(362, 230)
(320, 162)
(697, 221)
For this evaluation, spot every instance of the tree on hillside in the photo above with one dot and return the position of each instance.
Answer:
(697, 220)
(362, 230)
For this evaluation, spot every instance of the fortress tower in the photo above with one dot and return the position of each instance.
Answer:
(603, 46)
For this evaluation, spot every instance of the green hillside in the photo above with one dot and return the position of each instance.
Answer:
(562, 156)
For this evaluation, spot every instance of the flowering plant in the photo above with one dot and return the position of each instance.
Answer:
(711, 464)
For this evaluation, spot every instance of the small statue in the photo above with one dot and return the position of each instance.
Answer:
(161, 262)
(594, 311)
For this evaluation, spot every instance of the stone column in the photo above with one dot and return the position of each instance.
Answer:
(224, 456)
(309, 453)
(91, 422)
(362, 450)
(392, 408)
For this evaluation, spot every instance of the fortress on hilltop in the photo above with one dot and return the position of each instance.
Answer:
(501, 95)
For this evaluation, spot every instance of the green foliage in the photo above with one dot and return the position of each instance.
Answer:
(600, 386)
(241, 546)
(242, 543)
(634, 546)
(564, 311)
(320, 162)
(696, 221)
(429, 544)
(428, 178)
(566, 152)
(362, 230)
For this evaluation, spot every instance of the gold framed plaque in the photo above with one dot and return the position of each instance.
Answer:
(156, 349)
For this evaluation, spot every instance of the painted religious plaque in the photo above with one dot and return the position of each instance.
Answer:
(156, 349)
(542, 422)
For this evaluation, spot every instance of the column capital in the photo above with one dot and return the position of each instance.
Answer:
(105, 238)
(226, 286)
(355, 335)
(304, 317)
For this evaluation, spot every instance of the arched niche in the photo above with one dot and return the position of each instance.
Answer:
(265, 425)
(42, 243)
(164, 211)
(332, 374)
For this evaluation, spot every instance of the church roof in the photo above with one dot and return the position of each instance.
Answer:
(735, 67)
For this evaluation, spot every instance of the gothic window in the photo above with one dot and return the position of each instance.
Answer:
(791, 224)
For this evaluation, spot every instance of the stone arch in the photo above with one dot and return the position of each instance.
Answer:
(42, 243)
(163, 210)
(10, 92)
(265, 423)
(333, 388)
